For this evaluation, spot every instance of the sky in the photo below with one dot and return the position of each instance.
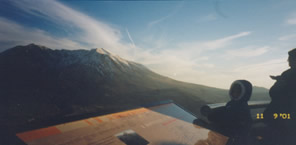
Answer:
(208, 42)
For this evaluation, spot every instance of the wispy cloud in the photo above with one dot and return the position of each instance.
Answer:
(259, 73)
(292, 19)
(207, 18)
(224, 41)
(130, 37)
(288, 37)
(247, 52)
(93, 32)
(12, 34)
(187, 61)
(157, 21)
(196, 48)
(154, 22)
(261, 66)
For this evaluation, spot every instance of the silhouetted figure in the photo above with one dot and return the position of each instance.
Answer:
(283, 101)
(235, 119)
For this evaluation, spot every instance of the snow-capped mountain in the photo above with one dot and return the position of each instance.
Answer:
(40, 83)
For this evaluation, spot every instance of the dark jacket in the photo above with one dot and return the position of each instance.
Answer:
(238, 111)
(283, 100)
(235, 116)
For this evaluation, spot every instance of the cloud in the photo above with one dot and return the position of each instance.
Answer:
(224, 41)
(154, 22)
(207, 18)
(254, 68)
(189, 62)
(247, 52)
(157, 21)
(93, 32)
(291, 20)
(190, 51)
(130, 37)
(88, 31)
(193, 49)
(12, 34)
(287, 37)
(186, 61)
(259, 73)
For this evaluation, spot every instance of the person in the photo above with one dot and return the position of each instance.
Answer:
(234, 120)
(283, 101)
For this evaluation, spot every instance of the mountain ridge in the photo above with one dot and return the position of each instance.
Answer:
(37, 82)
(114, 57)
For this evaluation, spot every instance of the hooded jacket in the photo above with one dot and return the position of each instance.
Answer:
(236, 113)
(237, 110)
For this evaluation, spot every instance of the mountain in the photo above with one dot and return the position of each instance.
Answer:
(38, 83)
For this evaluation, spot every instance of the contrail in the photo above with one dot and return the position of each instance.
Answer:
(130, 37)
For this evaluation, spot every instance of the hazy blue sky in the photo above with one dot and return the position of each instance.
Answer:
(210, 42)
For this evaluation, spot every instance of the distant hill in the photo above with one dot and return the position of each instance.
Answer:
(260, 93)
(38, 83)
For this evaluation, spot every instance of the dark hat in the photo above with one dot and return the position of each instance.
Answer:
(292, 53)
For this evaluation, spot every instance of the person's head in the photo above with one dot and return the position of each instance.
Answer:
(235, 91)
(292, 58)
(240, 90)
